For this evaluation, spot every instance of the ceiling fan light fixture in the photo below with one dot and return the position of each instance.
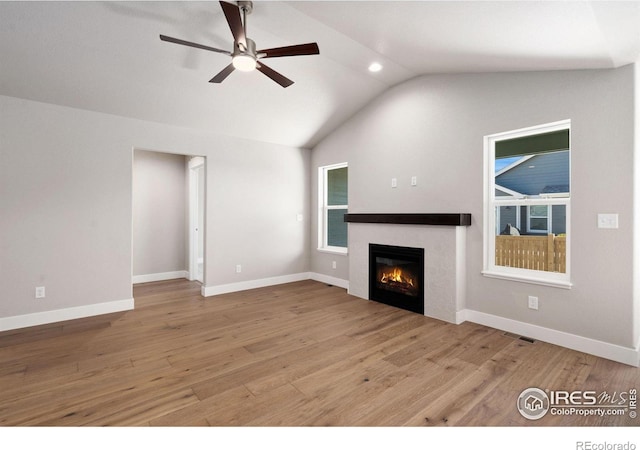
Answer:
(244, 56)
(244, 62)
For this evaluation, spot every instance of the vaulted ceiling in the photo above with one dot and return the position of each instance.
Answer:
(107, 56)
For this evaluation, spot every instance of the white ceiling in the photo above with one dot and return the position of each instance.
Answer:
(107, 57)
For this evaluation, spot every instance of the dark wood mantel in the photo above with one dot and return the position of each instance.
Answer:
(457, 219)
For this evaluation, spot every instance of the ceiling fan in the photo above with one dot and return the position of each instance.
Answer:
(244, 56)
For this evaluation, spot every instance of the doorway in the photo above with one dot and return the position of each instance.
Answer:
(168, 200)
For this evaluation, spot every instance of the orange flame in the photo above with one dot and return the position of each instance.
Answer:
(396, 276)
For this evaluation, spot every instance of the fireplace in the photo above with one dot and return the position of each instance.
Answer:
(396, 276)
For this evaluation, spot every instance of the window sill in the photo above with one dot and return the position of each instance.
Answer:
(334, 250)
(528, 279)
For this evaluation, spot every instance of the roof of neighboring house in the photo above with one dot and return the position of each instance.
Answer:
(503, 191)
(532, 175)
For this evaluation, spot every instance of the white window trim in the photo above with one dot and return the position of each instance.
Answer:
(560, 280)
(322, 210)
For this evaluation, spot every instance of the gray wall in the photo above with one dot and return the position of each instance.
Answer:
(66, 204)
(159, 213)
(432, 127)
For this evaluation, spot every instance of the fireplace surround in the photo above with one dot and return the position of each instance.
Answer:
(396, 276)
(443, 238)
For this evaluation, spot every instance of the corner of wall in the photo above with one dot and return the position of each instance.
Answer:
(636, 204)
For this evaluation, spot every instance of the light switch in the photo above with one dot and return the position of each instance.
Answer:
(394, 182)
(414, 181)
(607, 221)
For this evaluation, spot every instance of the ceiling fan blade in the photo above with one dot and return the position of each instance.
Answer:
(275, 76)
(224, 73)
(192, 44)
(232, 13)
(291, 50)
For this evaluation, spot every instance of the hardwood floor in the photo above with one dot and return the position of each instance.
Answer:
(301, 354)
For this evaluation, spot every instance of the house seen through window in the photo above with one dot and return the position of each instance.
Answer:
(333, 200)
(529, 194)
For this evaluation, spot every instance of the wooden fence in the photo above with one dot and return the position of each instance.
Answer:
(548, 253)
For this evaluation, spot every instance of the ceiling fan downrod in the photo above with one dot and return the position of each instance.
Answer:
(247, 8)
(245, 58)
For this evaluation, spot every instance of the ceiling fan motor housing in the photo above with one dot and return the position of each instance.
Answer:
(244, 59)
(250, 49)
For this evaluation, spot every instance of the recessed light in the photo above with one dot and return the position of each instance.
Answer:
(375, 67)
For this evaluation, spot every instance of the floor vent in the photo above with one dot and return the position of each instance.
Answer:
(522, 338)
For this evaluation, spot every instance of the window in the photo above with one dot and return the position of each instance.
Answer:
(333, 201)
(538, 219)
(528, 199)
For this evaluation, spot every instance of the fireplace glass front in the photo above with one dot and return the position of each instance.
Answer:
(396, 276)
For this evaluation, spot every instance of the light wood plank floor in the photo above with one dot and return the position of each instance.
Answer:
(301, 354)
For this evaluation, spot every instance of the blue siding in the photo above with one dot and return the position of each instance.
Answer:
(508, 216)
(547, 172)
(559, 219)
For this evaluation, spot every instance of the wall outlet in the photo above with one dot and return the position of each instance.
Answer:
(238, 268)
(334, 265)
(40, 292)
(533, 302)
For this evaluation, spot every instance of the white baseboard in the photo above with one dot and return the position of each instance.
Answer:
(163, 276)
(625, 355)
(208, 291)
(59, 315)
(322, 278)
(461, 316)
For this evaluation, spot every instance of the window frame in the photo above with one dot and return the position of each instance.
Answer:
(491, 202)
(324, 208)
